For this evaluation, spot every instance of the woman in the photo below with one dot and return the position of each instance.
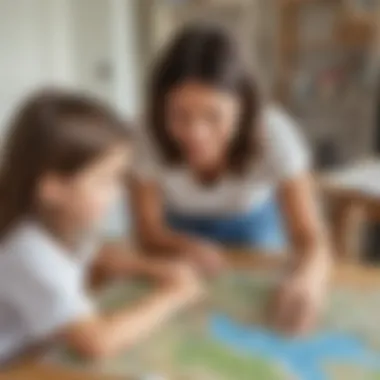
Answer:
(213, 164)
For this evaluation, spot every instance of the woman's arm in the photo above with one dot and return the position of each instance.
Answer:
(155, 235)
(152, 231)
(301, 296)
(303, 219)
(102, 336)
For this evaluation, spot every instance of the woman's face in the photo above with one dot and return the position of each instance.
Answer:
(202, 120)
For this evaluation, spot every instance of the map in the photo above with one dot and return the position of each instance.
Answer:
(225, 338)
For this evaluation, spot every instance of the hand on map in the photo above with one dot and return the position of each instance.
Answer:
(183, 280)
(207, 257)
(178, 277)
(300, 298)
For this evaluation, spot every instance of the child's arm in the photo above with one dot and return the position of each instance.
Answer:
(50, 300)
(118, 261)
(101, 336)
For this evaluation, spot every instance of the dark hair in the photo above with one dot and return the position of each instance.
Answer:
(52, 131)
(209, 54)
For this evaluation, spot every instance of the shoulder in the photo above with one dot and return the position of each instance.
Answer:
(31, 258)
(277, 122)
(39, 282)
(284, 146)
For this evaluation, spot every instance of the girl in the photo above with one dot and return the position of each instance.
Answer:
(64, 162)
(213, 163)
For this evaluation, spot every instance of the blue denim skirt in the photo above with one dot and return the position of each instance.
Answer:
(261, 228)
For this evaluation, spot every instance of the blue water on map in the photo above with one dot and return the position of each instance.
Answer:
(302, 357)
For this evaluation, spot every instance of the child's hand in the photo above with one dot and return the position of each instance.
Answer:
(99, 336)
(207, 257)
(300, 298)
(178, 277)
(185, 283)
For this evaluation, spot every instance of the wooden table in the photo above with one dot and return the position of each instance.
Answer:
(350, 274)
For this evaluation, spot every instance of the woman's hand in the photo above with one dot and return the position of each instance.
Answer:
(300, 298)
(207, 257)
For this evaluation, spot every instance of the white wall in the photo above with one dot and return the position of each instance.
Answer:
(91, 36)
(105, 51)
(72, 43)
(30, 33)
(126, 56)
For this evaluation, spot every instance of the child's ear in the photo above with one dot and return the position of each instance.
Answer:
(51, 190)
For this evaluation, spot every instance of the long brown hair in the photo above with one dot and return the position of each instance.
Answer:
(207, 53)
(52, 131)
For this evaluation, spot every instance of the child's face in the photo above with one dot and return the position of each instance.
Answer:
(85, 198)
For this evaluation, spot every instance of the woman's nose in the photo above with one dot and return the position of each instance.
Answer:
(199, 132)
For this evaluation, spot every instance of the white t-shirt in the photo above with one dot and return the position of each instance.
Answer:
(284, 155)
(41, 288)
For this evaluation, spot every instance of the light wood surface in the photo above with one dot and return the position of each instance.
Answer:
(346, 274)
